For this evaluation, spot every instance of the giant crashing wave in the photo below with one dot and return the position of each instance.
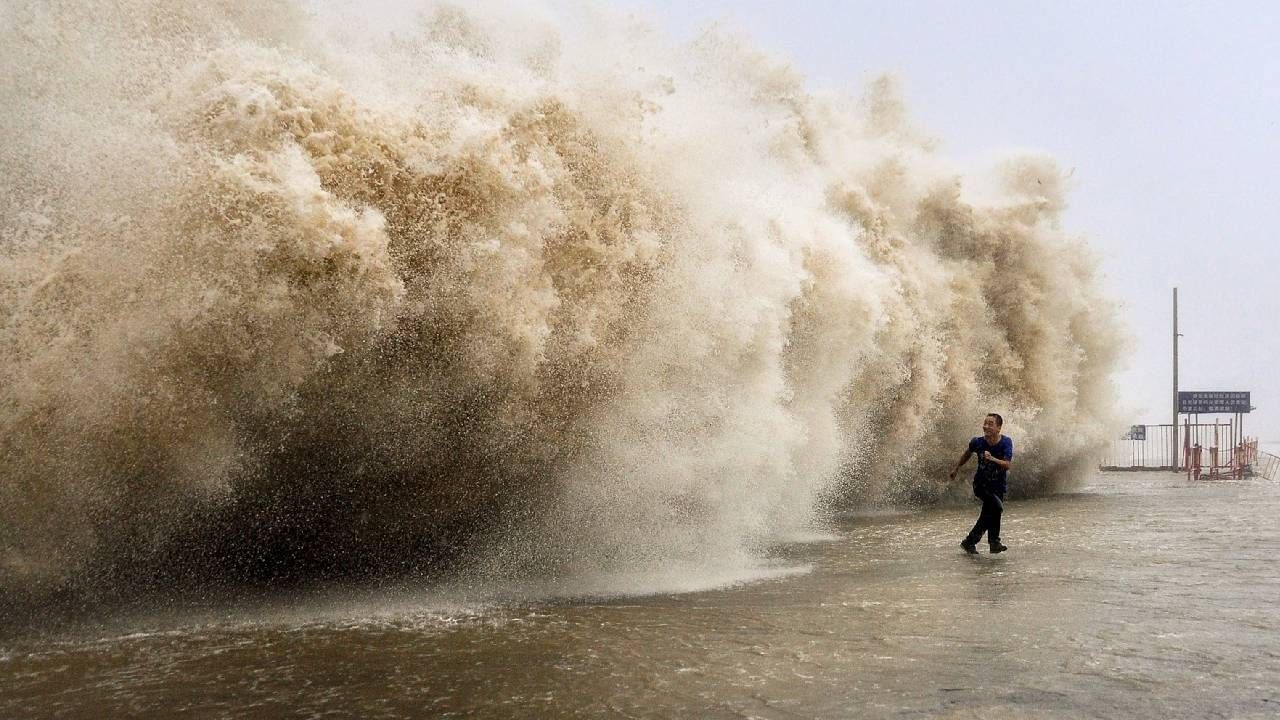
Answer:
(283, 302)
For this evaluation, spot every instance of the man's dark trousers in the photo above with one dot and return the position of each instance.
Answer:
(989, 518)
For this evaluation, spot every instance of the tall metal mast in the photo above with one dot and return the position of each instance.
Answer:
(1174, 455)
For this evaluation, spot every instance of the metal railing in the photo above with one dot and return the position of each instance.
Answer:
(1267, 465)
(1152, 450)
(1215, 463)
(1169, 447)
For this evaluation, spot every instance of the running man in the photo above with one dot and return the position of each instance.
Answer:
(990, 481)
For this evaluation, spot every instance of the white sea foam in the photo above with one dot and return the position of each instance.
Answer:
(542, 291)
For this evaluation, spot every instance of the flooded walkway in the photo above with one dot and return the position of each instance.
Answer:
(1140, 596)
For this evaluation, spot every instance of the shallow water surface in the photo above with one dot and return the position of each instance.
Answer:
(1142, 595)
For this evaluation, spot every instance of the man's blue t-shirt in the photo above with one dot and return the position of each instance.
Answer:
(994, 477)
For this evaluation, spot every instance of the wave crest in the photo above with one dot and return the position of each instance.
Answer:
(292, 309)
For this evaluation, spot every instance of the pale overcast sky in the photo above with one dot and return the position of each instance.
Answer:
(1169, 113)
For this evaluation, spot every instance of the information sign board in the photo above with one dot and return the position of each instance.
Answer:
(1213, 402)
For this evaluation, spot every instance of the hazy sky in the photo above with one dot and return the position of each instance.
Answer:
(1169, 113)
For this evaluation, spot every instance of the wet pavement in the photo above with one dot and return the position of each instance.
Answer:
(1142, 595)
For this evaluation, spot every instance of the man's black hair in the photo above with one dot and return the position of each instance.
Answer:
(999, 420)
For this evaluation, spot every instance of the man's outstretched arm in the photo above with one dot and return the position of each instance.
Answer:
(963, 459)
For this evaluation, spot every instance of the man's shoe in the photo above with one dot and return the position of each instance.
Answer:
(971, 548)
(998, 548)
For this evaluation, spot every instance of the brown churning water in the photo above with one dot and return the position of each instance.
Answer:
(517, 293)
